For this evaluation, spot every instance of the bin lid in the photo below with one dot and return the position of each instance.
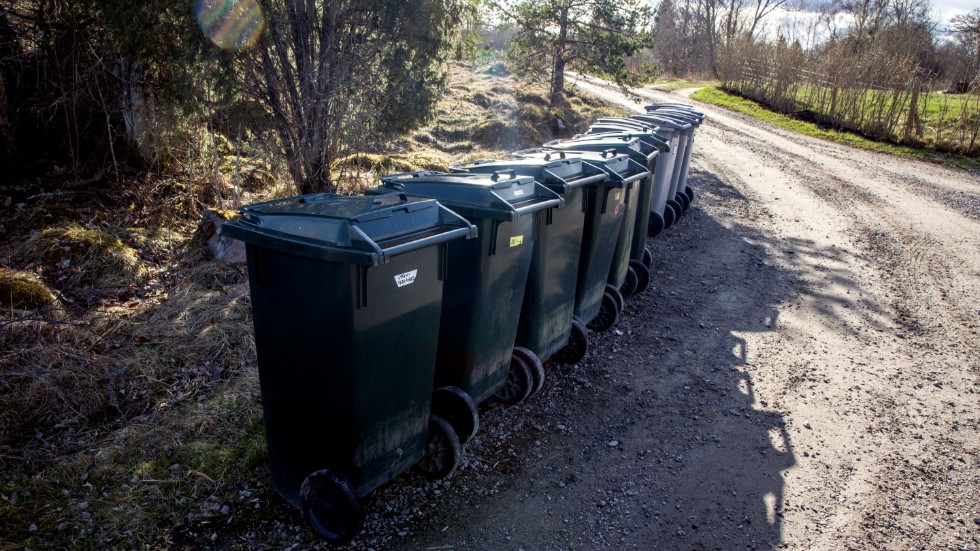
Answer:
(358, 230)
(621, 169)
(663, 121)
(677, 115)
(558, 170)
(626, 145)
(681, 107)
(502, 195)
(623, 122)
(648, 138)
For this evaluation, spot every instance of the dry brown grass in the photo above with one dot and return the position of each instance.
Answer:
(143, 405)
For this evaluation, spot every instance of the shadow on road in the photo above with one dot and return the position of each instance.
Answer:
(657, 440)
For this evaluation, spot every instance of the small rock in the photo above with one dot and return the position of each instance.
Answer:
(807, 426)
(32, 529)
(612, 443)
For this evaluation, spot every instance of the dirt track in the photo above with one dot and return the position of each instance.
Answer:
(804, 373)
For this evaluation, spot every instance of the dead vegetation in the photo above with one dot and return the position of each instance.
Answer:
(128, 388)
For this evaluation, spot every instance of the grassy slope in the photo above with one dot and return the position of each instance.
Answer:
(135, 420)
(715, 96)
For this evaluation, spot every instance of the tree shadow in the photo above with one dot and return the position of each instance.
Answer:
(657, 439)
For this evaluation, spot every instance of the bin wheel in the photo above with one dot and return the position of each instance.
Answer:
(655, 225)
(642, 276)
(630, 282)
(647, 258)
(608, 313)
(678, 209)
(519, 383)
(534, 363)
(617, 296)
(577, 347)
(689, 191)
(684, 200)
(331, 506)
(669, 216)
(457, 407)
(442, 451)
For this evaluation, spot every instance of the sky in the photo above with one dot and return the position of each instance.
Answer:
(947, 9)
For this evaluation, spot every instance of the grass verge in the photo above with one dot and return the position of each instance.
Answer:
(714, 95)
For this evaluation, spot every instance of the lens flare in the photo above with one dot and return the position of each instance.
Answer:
(230, 24)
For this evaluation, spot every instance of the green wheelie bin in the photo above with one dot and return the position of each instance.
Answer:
(646, 217)
(661, 214)
(339, 287)
(595, 299)
(485, 279)
(548, 326)
(624, 274)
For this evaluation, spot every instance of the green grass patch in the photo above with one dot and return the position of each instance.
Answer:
(674, 84)
(714, 95)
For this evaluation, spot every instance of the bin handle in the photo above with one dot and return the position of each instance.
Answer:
(547, 156)
(426, 241)
(496, 175)
(461, 228)
(548, 199)
(607, 152)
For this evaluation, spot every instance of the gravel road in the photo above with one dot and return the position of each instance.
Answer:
(802, 374)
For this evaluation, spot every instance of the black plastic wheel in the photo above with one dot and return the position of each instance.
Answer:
(617, 296)
(642, 276)
(577, 346)
(684, 200)
(629, 282)
(669, 216)
(608, 313)
(442, 451)
(533, 362)
(331, 506)
(678, 209)
(689, 191)
(457, 407)
(519, 384)
(655, 225)
(647, 258)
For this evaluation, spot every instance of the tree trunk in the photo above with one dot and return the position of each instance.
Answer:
(558, 70)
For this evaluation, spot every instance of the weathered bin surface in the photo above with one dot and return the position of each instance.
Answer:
(595, 299)
(666, 142)
(547, 312)
(694, 119)
(485, 278)
(622, 275)
(677, 133)
(339, 287)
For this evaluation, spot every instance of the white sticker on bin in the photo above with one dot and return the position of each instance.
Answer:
(407, 278)
(518, 192)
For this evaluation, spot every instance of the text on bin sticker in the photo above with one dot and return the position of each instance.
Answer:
(516, 240)
(407, 278)
(518, 192)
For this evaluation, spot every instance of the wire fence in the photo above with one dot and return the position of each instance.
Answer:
(894, 101)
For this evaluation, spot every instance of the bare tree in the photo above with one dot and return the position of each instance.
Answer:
(336, 72)
(967, 29)
(762, 10)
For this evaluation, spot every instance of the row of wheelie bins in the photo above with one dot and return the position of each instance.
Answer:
(382, 321)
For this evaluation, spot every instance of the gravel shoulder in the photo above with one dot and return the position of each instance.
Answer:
(802, 374)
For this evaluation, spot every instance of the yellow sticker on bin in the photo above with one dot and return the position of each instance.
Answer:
(516, 240)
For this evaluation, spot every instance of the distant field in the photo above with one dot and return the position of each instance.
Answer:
(714, 95)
